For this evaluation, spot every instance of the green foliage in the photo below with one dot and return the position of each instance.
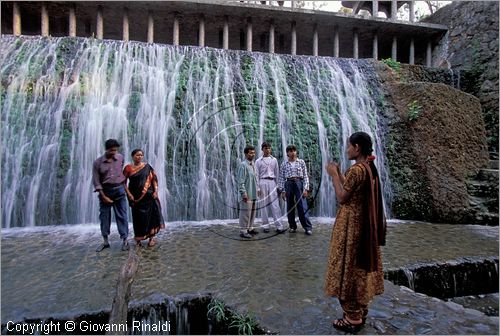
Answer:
(64, 149)
(393, 64)
(414, 110)
(217, 310)
(245, 323)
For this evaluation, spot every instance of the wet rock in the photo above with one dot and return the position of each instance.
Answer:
(379, 314)
(379, 326)
(287, 306)
(401, 324)
(423, 331)
(454, 306)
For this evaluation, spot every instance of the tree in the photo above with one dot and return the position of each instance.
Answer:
(433, 6)
(422, 9)
(345, 10)
(315, 5)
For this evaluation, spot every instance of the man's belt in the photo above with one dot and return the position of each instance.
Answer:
(293, 178)
(268, 178)
(112, 185)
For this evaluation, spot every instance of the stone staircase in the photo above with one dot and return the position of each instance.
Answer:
(483, 194)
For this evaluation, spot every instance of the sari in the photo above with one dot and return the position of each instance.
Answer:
(146, 210)
(354, 270)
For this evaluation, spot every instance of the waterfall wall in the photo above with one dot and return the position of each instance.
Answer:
(192, 111)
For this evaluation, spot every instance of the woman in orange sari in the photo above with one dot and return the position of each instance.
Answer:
(354, 271)
(142, 192)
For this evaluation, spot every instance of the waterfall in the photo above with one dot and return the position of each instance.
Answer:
(192, 110)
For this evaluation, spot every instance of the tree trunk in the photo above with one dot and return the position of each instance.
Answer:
(119, 309)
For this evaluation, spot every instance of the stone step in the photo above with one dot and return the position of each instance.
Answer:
(467, 276)
(487, 218)
(482, 189)
(484, 204)
(488, 175)
(494, 164)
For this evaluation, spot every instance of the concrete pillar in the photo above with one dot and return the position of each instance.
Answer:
(293, 43)
(201, 32)
(375, 8)
(412, 11)
(375, 46)
(151, 28)
(355, 48)
(315, 40)
(225, 33)
(394, 53)
(72, 21)
(249, 34)
(336, 41)
(175, 37)
(100, 24)
(412, 51)
(394, 10)
(271, 38)
(125, 25)
(16, 19)
(45, 20)
(428, 61)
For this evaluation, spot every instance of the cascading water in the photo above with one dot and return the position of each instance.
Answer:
(192, 111)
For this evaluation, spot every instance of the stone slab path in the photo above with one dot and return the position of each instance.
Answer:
(279, 278)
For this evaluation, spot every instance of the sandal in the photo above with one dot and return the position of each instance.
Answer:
(152, 242)
(346, 326)
(363, 319)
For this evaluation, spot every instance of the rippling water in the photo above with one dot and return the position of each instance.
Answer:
(50, 271)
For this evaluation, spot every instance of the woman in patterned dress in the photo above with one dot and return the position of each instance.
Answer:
(142, 192)
(354, 271)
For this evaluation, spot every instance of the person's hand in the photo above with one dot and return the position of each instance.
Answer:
(130, 197)
(107, 200)
(283, 195)
(245, 197)
(305, 193)
(155, 195)
(259, 193)
(333, 168)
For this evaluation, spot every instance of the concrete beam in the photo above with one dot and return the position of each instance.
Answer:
(293, 43)
(249, 36)
(394, 10)
(271, 37)
(44, 20)
(99, 24)
(225, 33)
(412, 11)
(201, 31)
(151, 27)
(394, 51)
(428, 59)
(16, 19)
(375, 8)
(175, 34)
(125, 26)
(355, 45)
(72, 21)
(375, 46)
(315, 40)
(411, 59)
(336, 46)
